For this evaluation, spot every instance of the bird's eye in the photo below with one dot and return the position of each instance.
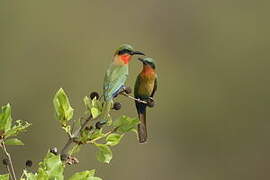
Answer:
(151, 64)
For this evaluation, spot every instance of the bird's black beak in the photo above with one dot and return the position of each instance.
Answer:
(137, 53)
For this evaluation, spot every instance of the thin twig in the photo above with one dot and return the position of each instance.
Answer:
(131, 97)
(10, 164)
(9, 171)
(75, 134)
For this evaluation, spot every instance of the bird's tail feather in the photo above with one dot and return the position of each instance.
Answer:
(142, 129)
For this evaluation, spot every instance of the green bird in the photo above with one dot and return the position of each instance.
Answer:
(115, 77)
(145, 88)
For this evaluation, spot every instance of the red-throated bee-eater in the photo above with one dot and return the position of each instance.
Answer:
(145, 88)
(116, 76)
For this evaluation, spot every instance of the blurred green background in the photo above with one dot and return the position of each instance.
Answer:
(211, 121)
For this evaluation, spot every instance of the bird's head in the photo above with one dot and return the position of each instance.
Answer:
(147, 61)
(125, 53)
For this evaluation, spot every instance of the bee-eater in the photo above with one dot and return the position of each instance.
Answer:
(116, 76)
(145, 88)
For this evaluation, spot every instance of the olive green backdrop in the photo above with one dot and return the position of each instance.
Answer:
(211, 121)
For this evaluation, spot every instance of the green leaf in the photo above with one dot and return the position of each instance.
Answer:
(29, 175)
(95, 112)
(52, 166)
(42, 175)
(96, 134)
(64, 111)
(114, 139)
(135, 131)
(85, 136)
(125, 124)
(5, 118)
(109, 120)
(20, 126)
(96, 108)
(93, 106)
(87, 103)
(83, 175)
(67, 129)
(13, 141)
(104, 154)
(4, 177)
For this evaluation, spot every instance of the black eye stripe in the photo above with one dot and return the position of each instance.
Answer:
(124, 51)
(151, 64)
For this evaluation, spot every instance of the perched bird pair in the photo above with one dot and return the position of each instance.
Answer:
(114, 82)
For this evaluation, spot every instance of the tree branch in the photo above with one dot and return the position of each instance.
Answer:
(75, 134)
(131, 97)
(10, 164)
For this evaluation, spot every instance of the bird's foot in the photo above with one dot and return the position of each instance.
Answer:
(150, 102)
(125, 89)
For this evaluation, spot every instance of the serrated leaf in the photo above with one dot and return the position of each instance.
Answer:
(5, 118)
(4, 177)
(114, 139)
(63, 109)
(52, 166)
(104, 154)
(20, 126)
(125, 124)
(83, 175)
(13, 141)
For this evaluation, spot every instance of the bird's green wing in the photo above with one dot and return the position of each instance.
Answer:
(155, 88)
(137, 85)
(115, 79)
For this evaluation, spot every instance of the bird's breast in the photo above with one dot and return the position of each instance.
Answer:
(147, 84)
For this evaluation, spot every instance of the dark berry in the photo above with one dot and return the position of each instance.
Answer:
(5, 162)
(94, 95)
(117, 106)
(54, 150)
(28, 163)
(99, 124)
(128, 90)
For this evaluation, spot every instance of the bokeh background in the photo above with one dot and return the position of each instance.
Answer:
(211, 121)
